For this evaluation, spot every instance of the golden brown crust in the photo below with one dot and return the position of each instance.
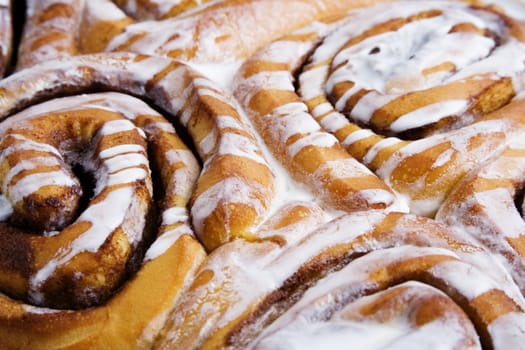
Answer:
(284, 235)
(392, 246)
(165, 265)
(112, 323)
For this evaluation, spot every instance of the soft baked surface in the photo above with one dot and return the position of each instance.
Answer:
(262, 174)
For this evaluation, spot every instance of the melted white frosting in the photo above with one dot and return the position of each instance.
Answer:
(288, 190)
(104, 220)
(306, 319)
(336, 335)
(222, 74)
(103, 10)
(514, 8)
(5, 208)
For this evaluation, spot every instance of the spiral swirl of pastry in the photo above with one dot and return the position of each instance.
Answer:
(406, 276)
(91, 242)
(225, 201)
(394, 86)
(44, 195)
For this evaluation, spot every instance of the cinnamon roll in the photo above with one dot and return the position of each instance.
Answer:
(397, 88)
(144, 205)
(408, 277)
(66, 254)
(353, 303)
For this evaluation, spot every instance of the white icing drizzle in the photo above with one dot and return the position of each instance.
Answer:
(245, 272)
(387, 78)
(358, 135)
(508, 335)
(126, 176)
(102, 10)
(103, 219)
(120, 164)
(498, 204)
(443, 158)
(229, 145)
(39, 310)
(332, 122)
(429, 114)
(116, 126)
(233, 189)
(380, 73)
(6, 210)
(208, 143)
(221, 74)
(289, 119)
(6, 34)
(32, 182)
(228, 136)
(490, 215)
(267, 80)
(311, 309)
(165, 241)
(375, 149)
(31, 164)
(123, 67)
(398, 332)
(319, 139)
(287, 189)
(184, 177)
(27, 144)
(334, 335)
(173, 215)
(457, 273)
(459, 141)
(154, 9)
(158, 36)
(241, 146)
(119, 150)
(514, 8)
(36, 44)
(367, 105)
